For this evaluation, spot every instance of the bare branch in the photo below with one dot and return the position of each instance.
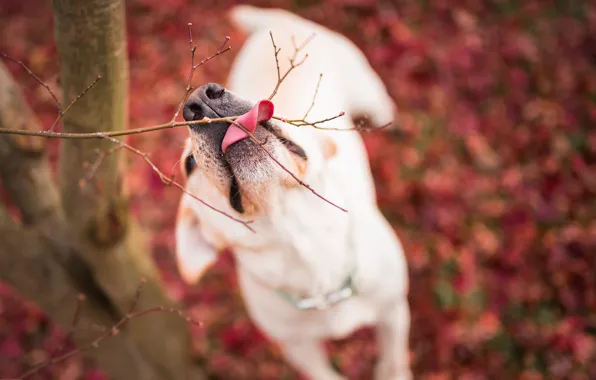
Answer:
(35, 253)
(61, 111)
(165, 179)
(172, 124)
(153, 128)
(32, 74)
(303, 45)
(314, 97)
(135, 298)
(77, 314)
(101, 156)
(368, 129)
(106, 332)
(106, 135)
(96, 135)
(193, 67)
(292, 60)
(75, 317)
(302, 183)
(315, 124)
(169, 181)
(302, 122)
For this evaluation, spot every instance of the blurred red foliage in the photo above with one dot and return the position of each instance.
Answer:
(491, 183)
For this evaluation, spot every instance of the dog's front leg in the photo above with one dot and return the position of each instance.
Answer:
(392, 337)
(309, 358)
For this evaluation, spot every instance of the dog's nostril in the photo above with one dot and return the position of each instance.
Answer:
(196, 111)
(214, 92)
(193, 111)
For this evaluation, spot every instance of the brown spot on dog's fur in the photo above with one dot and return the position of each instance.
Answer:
(188, 214)
(329, 148)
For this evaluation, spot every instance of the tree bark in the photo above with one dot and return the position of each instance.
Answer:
(83, 240)
(39, 260)
(33, 265)
(24, 170)
(90, 35)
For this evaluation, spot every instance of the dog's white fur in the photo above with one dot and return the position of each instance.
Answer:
(302, 244)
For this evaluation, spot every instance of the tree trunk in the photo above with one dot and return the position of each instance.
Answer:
(35, 266)
(39, 258)
(90, 35)
(95, 247)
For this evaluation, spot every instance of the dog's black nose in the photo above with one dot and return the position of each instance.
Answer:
(203, 102)
(213, 91)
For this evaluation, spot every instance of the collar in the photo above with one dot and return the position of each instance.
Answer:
(322, 301)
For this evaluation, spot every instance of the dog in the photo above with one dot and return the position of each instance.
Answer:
(309, 271)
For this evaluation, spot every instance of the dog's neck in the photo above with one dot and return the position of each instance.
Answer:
(304, 256)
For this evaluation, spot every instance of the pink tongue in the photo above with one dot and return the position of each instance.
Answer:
(262, 111)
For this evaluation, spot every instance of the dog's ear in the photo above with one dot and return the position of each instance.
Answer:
(194, 254)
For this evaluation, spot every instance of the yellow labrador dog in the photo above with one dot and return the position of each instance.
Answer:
(310, 271)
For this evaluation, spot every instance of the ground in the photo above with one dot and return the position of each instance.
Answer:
(490, 183)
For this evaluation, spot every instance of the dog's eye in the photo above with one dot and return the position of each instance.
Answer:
(292, 147)
(189, 164)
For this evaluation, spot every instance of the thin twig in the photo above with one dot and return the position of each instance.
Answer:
(109, 135)
(369, 129)
(165, 179)
(136, 131)
(108, 332)
(303, 45)
(302, 122)
(32, 74)
(314, 97)
(292, 60)
(137, 296)
(75, 318)
(193, 67)
(101, 156)
(77, 314)
(61, 111)
(315, 124)
(302, 183)
(169, 181)
(96, 135)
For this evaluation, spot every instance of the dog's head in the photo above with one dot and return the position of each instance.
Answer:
(244, 173)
